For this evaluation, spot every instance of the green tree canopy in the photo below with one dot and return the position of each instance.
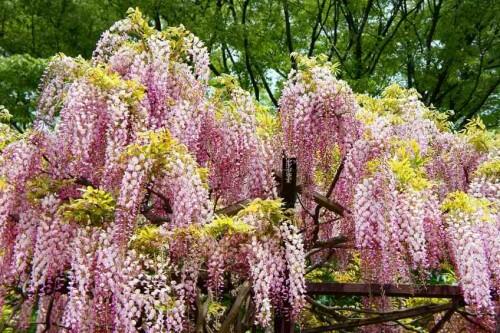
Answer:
(19, 77)
(446, 49)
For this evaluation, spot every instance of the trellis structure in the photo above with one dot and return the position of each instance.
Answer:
(289, 190)
(359, 289)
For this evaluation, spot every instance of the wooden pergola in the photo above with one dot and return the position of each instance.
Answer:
(289, 190)
(363, 289)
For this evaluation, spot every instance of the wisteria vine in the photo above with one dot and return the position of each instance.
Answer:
(113, 206)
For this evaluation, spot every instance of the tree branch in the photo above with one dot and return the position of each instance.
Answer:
(247, 51)
(233, 313)
(288, 31)
(266, 86)
(315, 34)
(384, 317)
(328, 193)
(201, 311)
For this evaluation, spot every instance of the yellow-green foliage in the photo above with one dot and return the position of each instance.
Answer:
(167, 306)
(419, 301)
(155, 145)
(94, 208)
(224, 85)
(163, 149)
(490, 169)
(107, 80)
(177, 40)
(373, 165)
(3, 184)
(226, 95)
(305, 63)
(352, 273)
(478, 136)
(41, 186)
(7, 134)
(395, 91)
(268, 124)
(373, 108)
(407, 164)
(459, 201)
(267, 209)
(5, 115)
(325, 172)
(391, 102)
(317, 275)
(441, 119)
(216, 309)
(192, 231)
(104, 78)
(139, 24)
(148, 240)
(390, 105)
(223, 225)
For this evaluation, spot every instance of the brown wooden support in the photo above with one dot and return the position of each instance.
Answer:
(384, 317)
(375, 289)
(288, 192)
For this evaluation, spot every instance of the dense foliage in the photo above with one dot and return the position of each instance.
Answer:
(19, 77)
(110, 206)
(447, 50)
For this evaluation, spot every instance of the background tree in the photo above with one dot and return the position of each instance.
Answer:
(446, 49)
(19, 77)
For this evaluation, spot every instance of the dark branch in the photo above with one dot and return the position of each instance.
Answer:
(155, 219)
(443, 320)
(288, 31)
(384, 317)
(320, 199)
(235, 309)
(328, 193)
(247, 50)
(266, 86)
(234, 208)
(332, 242)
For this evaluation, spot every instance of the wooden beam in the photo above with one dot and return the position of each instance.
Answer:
(233, 209)
(374, 289)
(384, 317)
(324, 202)
(320, 199)
(331, 242)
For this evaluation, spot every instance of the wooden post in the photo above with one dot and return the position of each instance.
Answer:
(288, 188)
(288, 192)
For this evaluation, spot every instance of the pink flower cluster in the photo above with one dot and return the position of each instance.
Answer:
(92, 128)
(471, 259)
(232, 147)
(317, 113)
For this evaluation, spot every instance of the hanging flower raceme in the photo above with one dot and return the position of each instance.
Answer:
(253, 246)
(486, 179)
(171, 64)
(111, 207)
(317, 113)
(465, 217)
(240, 161)
(395, 212)
(178, 182)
